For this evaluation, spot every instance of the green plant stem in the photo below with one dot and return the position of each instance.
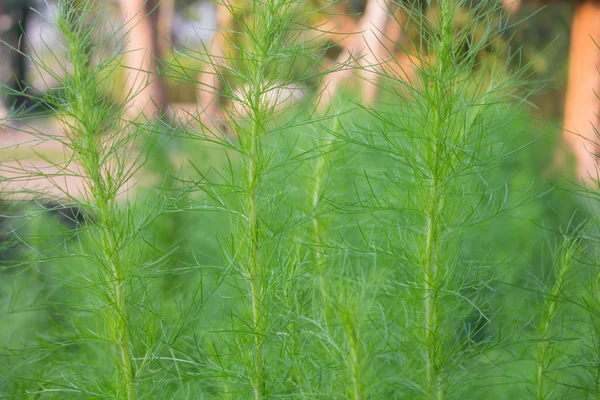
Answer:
(544, 347)
(256, 293)
(121, 337)
(110, 248)
(255, 273)
(430, 267)
(442, 88)
(355, 369)
(431, 296)
(543, 351)
(93, 152)
(123, 340)
(317, 229)
(352, 331)
(316, 222)
(111, 254)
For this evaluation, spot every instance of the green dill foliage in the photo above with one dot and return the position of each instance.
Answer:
(554, 335)
(568, 351)
(566, 334)
(256, 343)
(395, 251)
(106, 328)
(438, 140)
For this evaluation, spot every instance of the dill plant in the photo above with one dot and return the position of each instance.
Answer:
(257, 189)
(438, 138)
(557, 292)
(346, 279)
(569, 332)
(107, 309)
(566, 338)
(104, 163)
(345, 268)
(318, 195)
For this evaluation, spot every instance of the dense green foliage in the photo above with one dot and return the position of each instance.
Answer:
(411, 249)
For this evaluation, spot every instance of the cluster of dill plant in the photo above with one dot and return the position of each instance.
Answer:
(259, 193)
(326, 255)
(567, 332)
(430, 195)
(100, 327)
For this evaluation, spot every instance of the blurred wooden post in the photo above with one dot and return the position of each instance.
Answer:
(164, 25)
(210, 87)
(366, 49)
(511, 6)
(380, 39)
(13, 24)
(146, 89)
(582, 103)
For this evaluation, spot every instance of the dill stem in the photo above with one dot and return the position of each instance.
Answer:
(431, 298)
(442, 99)
(317, 229)
(90, 154)
(123, 340)
(256, 293)
(355, 373)
(544, 346)
(316, 223)
(430, 268)
(110, 249)
(119, 323)
(540, 370)
(255, 273)
(102, 198)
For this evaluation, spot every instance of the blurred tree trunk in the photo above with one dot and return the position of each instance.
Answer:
(210, 87)
(164, 26)
(511, 6)
(146, 89)
(582, 104)
(13, 25)
(365, 50)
